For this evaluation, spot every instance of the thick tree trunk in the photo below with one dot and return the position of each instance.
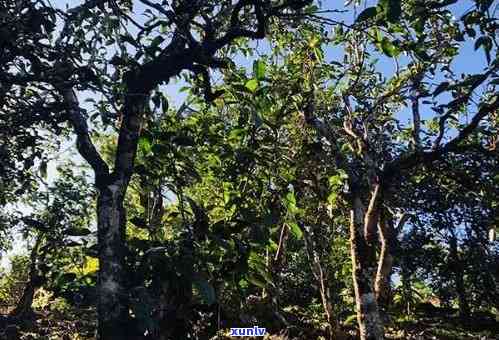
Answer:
(23, 310)
(112, 306)
(382, 284)
(112, 297)
(364, 269)
(112, 300)
(388, 238)
(383, 279)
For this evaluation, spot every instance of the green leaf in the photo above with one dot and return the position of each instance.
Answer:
(389, 48)
(35, 224)
(256, 281)
(236, 135)
(368, 13)
(290, 198)
(319, 55)
(290, 202)
(265, 275)
(421, 53)
(251, 85)
(295, 230)
(227, 186)
(481, 41)
(164, 104)
(333, 196)
(336, 180)
(470, 31)
(259, 69)
(156, 99)
(145, 144)
(419, 25)
(163, 26)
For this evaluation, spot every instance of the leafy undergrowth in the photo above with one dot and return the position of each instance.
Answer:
(73, 324)
(447, 328)
(70, 323)
(432, 322)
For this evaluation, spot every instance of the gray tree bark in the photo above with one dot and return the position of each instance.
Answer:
(364, 269)
(112, 297)
(388, 238)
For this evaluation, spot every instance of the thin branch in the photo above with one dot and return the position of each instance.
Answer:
(372, 215)
(169, 14)
(416, 116)
(404, 217)
(413, 159)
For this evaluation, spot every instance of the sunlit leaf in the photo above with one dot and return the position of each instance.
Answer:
(259, 69)
(145, 144)
(252, 85)
(389, 48)
(295, 230)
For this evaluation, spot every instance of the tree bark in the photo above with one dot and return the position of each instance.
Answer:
(113, 316)
(23, 310)
(364, 268)
(388, 238)
(112, 303)
(112, 297)
(385, 263)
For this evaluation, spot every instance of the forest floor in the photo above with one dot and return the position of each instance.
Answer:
(445, 329)
(79, 324)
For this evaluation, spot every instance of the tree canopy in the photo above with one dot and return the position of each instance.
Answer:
(180, 168)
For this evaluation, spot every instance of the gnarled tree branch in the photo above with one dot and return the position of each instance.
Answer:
(83, 141)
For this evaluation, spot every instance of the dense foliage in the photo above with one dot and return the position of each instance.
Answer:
(174, 169)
